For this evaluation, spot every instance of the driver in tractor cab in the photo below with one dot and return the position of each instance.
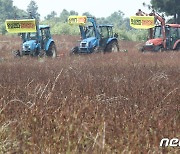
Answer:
(89, 32)
(141, 13)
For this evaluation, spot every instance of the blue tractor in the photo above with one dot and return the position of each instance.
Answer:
(95, 38)
(36, 39)
(38, 43)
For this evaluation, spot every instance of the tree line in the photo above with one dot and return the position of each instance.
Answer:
(59, 23)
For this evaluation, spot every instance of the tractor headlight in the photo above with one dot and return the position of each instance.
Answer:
(149, 43)
(24, 48)
(87, 44)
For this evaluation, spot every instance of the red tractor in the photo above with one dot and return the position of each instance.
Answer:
(163, 36)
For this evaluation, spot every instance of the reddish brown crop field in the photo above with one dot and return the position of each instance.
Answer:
(99, 103)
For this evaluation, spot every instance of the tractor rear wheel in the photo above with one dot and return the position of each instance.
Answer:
(112, 47)
(51, 51)
(178, 47)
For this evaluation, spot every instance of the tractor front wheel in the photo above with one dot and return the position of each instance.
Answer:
(74, 50)
(112, 47)
(51, 51)
(16, 53)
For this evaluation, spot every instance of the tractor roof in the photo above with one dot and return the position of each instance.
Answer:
(171, 25)
(43, 26)
(174, 25)
(105, 25)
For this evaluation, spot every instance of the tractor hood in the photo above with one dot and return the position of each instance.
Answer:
(156, 41)
(29, 45)
(88, 42)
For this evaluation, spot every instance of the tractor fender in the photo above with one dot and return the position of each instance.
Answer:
(176, 44)
(111, 40)
(48, 43)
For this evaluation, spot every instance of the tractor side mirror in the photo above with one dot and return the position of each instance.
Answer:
(20, 35)
(116, 35)
(171, 38)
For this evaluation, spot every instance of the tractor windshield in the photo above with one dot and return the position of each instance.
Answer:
(29, 36)
(106, 31)
(89, 31)
(157, 32)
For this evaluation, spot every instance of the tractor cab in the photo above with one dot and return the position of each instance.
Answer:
(95, 38)
(105, 31)
(106, 34)
(171, 38)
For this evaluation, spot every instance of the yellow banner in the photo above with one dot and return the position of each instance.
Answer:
(79, 20)
(21, 26)
(142, 22)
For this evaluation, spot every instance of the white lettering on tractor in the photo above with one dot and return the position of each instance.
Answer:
(174, 142)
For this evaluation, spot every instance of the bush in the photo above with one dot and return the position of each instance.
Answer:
(132, 35)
